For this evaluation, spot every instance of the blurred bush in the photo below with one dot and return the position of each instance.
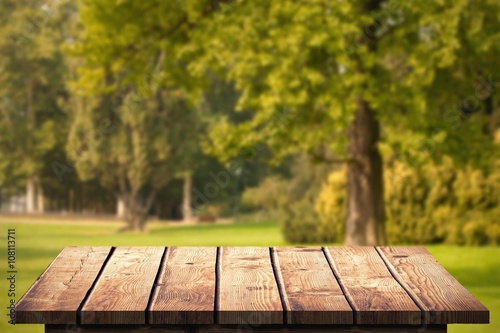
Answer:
(293, 194)
(300, 222)
(269, 195)
(433, 203)
(331, 207)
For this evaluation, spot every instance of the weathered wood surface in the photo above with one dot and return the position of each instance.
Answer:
(247, 328)
(247, 289)
(376, 296)
(185, 293)
(122, 292)
(249, 286)
(443, 299)
(55, 296)
(310, 291)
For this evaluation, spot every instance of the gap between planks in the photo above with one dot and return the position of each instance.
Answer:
(369, 274)
(444, 299)
(79, 310)
(217, 283)
(55, 301)
(155, 283)
(278, 275)
(398, 278)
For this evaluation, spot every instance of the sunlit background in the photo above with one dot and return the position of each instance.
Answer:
(252, 122)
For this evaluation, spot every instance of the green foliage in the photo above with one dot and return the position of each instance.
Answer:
(331, 207)
(293, 193)
(314, 58)
(32, 83)
(146, 77)
(420, 66)
(434, 203)
(269, 195)
(299, 223)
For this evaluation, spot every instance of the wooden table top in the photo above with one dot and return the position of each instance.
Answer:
(256, 285)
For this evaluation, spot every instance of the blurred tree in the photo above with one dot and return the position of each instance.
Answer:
(32, 77)
(132, 145)
(136, 123)
(321, 76)
(353, 74)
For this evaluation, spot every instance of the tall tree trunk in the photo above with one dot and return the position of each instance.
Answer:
(120, 207)
(30, 195)
(40, 199)
(30, 123)
(137, 211)
(187, 211)
(365, 224)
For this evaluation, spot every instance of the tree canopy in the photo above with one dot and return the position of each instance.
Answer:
(150, 89)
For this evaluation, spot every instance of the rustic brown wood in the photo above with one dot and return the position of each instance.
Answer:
(310, 291)
(185, 292)
(439, 294)
(121, 294)
(247, 328)
(247, 289)
(56, 295)
(375, 295)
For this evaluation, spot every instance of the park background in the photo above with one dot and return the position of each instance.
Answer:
(238, 122)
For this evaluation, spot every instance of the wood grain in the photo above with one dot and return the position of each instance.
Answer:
(185, 293)
(240, 287)
(56, 295)
(439, 294)
(121, 294)
(374, 294)
(247, 289)
(311, 293)
(247, 328)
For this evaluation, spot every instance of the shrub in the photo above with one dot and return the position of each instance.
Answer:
(300, 222)
(269, 195)
(331, 207)
(433, 203)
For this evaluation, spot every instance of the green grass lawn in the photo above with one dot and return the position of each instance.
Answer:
(478, 269)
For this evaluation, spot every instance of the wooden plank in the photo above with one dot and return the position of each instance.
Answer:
(311, 292)
(247, 328)
(56, 295)
(374, 294)
(247, 289)
(121, 294)
(185, 293)
(437, 292)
